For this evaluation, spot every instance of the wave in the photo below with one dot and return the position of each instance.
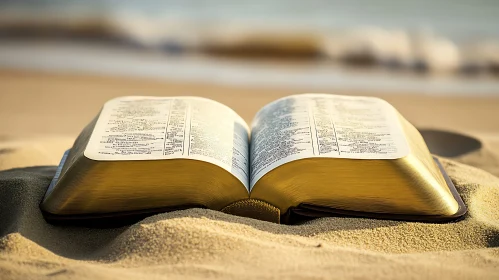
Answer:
(361, 46)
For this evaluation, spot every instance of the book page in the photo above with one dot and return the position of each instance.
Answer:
(156, 128)
(324, 125)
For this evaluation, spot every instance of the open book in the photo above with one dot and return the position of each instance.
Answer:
(309, 155)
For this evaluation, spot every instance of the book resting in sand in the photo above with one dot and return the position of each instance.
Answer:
(309, 155)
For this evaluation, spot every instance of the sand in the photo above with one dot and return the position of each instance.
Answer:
(201, 243)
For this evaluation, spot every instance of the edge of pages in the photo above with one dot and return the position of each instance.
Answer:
(305, 210)
(57, 174)
(315, 211)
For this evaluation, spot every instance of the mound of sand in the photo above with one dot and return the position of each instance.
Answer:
(200, 243)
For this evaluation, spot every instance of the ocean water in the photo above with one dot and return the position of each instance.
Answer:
(455, 19)
(64, 57)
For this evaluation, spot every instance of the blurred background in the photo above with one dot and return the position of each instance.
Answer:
(428, 46)
(436, 61)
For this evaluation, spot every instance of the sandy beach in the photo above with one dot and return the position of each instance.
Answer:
(41, 114)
